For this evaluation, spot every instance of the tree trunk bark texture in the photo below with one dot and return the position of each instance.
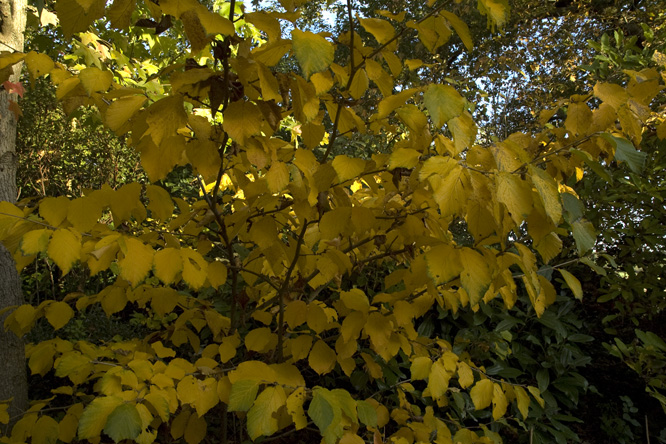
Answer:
(13, 379)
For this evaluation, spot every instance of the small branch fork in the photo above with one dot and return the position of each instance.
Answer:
(354, 67)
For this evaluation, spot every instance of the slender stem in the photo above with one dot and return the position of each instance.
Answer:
(354, 68)
(285, 287)
(230, 253)
(351, 33)
(220, 172)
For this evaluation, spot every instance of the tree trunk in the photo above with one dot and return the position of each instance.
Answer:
(13, 379)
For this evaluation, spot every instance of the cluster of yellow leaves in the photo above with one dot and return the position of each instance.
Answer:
(303, 222)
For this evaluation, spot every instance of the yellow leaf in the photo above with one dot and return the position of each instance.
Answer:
(10, 59)
(548, 191)
(261, 340)
(443, 263)
(355, 299)
(390, 103)
(579, 117)
(195, 431)
(420, 368)
(242, 120)
(242, 395)
(265, 22)
(36, 241)
(322, 82)
(125, 202)
(415, 120)
(295, 408)
(381, 78)
(58, 314)
(262, 418)
(202, 394)
(438, 380)
(4, 414)
(159, 401)
(159, 202)
(217, 274)
(54, 209)
(359, 84)
(137, 260)
(465, 375)
(573, 283)
(460, 27)
(277, 177)
(443, 103)
(41, 358)
(94, 416)
(322, 358)
(161, 351)
(68, 425)
(295, 313)
(316, 318)
(523, 401)
(464, 131)
(612, 94)
(270, 89)
(21, 320)
(347, 168)
(537, 395)
(253, 370)
(499, 402)
(514, 192)
(95, 80)
(299, 347)
(122, 110)
(475, 277)
(120, 13)
(38, 64)
(76, 16)
(497, 12)
(84, 213)
(482, 394)
(167, 263)
(313, 52)
(195, 268)
(214, 23)
(403, 158)
(64, 249)
(165, 117)
(228, 347)
(380, 29)
(271, 53)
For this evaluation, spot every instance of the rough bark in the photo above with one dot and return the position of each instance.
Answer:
(13, 379)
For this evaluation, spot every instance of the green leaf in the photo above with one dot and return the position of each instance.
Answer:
(243, 394)
(95, 415)
(584, 235)
(625, 152)
(366, 413)
(313, 52)
(320, 410)
(123, 423)
(443, 103)
(262, 418)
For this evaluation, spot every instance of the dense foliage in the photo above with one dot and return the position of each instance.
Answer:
(339, 238)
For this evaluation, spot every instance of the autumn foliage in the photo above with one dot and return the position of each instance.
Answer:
(262, 333)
